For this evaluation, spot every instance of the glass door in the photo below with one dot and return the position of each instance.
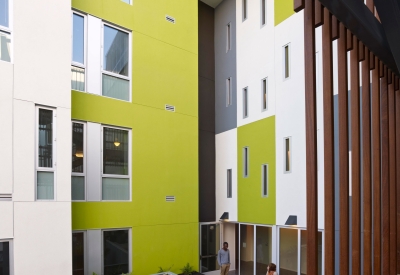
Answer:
(209, 247)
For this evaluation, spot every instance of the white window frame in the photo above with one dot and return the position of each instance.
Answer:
(228, 37)
(54, 150)
(11, 247)
(284, 62)
(245, 10)
(290, 155)
(73, 174)
(245, 98)
(129, 245)
(266, 94)
(228, 88)
(264, 193)
(129, 176)
(102, 71)
(246, 162)
(263, 13)
(9, 31)
(229, 183)
(85, 32)
(85, 257)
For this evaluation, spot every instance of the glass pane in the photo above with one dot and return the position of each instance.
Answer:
(263, 11)
(78, 254)
(265, 180)
(115, 151)
(4, 257)
(247, 249)
(77, 78)
(4, 9)
(287, 157)
(263, 249)
(116, 252)
(288, 254)
(45, 138)
(229, 182)
(246, 161)
(78, 39)
(116, 51)
(45, 185)
(115, 87)
(286, 61)
(303, 253)
(264, 94)
(115, 189)
(5, 46)
(210, 244)
(78, 188)
(77, 147)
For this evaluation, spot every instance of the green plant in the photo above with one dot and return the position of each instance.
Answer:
(94, 273)
(187, 269)
(161, 270)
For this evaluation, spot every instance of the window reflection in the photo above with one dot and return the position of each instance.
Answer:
(45, 138)
(78, 254)
(116, 51)
(116, 252)
(115, 151)
(4, 258)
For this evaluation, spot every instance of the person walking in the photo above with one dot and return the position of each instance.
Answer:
(224, 259)
(271, 269)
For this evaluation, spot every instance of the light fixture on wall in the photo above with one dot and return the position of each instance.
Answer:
(79, 154)
(291, 220)
(224, 217)
(116, 142)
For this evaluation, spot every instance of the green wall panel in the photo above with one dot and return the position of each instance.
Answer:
(259, 136)
(283, 10)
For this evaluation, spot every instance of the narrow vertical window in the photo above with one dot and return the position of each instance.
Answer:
(264, 180)
(5, 31)
(78, 162)
(288, 167)
(229, 183)
(263, 13)
(286, 61)
(78, 53)
(244, 9)
(245, 103)
(116, 251)
(116, 176)
(45, 159)
(5, 258)
(78, 253)
(264, 96)
(245, 162)
(228, 92)
(228, 37)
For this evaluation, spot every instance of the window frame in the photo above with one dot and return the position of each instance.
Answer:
(85, 43)
(77, 174)
(85, 256)
(129, 245)
(228, 37)
(11, 251)
(245, 105)
(229, 183)
(266, 94)
(228, 88)
(285, 156)
(246, 161)
(245, 11)
(288, 61)
(263, 13)
(264, 192)
(103, 71)
(9, 30)
(54, 151)
(102, 175)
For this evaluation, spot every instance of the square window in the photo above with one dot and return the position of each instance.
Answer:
(116, 249)
(4, 13)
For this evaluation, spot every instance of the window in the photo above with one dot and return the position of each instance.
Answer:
(115, 74)
(45, 154)
(229, 183)
(245, 162)
(264, 180)
(244, 9)
(78, 52)
(245, 103)
(78, 253)
(264, 96)
(126, 1)
(5, 31)
(116, 172)
(5, 257)
(228, 92)
(78, 161)
(116, 249)
(288, 251)
(228, 37)
(286, 56)
(263, 12)
(288, 167)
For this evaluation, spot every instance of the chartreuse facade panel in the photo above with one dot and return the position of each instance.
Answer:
(164, 145)
(283, 10)
(259, 139)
